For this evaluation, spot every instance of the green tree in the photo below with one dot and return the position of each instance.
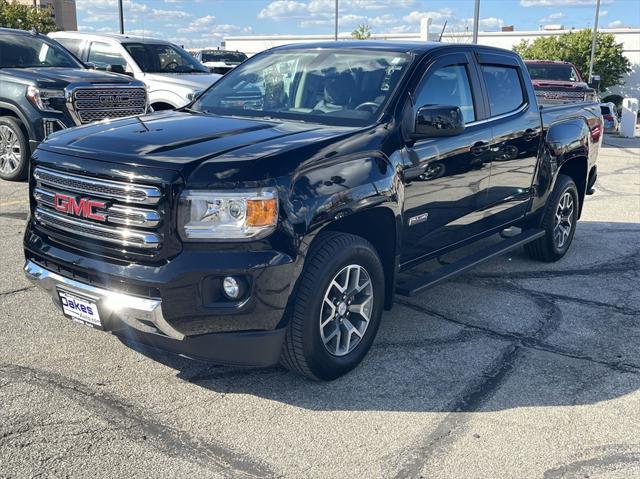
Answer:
(362, 32)
(26, 17)
(575, 47)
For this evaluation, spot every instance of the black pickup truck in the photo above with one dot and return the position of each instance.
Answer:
(44, 88)
(271, 218)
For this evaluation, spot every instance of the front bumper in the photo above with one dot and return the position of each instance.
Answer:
(141, 320)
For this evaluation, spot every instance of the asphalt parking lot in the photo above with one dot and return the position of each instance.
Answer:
(517, 369)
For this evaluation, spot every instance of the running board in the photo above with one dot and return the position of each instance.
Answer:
(417, 285)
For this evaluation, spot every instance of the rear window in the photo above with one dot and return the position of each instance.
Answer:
(605, 110)
(504, 88)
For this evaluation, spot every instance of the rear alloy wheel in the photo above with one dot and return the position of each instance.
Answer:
(559, 222)
(14, 154)
(335, 310)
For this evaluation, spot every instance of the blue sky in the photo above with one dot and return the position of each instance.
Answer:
(198, 23)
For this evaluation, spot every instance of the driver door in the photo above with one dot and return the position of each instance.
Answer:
(447, 181)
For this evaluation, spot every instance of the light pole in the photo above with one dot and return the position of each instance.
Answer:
(335, 33)
(476, 21)
(593, 40)
(121, 15)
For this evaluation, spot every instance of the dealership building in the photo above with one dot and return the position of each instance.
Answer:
(628, 37)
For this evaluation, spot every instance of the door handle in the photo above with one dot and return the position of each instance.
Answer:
(480, 148)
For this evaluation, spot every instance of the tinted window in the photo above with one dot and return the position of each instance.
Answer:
(163, 58)
(103, 55)
(217, 56)
(553, 71)
(71, 44)
(605, 110)
(448, 86)
(24, 51)
(503, 88)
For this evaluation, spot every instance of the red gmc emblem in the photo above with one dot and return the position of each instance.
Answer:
(83, 207)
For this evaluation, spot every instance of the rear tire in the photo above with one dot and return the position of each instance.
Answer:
(14, 150)
(328, 334)
(559, 222)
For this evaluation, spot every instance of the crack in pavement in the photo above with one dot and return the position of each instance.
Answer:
(168, 439)
(19, 290)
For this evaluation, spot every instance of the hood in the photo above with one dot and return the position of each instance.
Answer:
(203, 148)
(61, 77)
(559, 84)
(193, 81)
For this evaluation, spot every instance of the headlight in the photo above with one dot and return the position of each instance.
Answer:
(45, 99)
(227, 215)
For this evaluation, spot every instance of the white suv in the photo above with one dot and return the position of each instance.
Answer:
(172, 75)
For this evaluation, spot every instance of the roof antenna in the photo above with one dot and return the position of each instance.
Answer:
(442, 32)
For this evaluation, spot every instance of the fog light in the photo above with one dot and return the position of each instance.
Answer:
(231, 287)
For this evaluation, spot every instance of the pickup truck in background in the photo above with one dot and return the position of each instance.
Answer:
(220, 61)
(274, 218)
(173, 76)
(558, 82)
(44, 89)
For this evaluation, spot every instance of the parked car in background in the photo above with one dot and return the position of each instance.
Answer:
(247, 231)
(220, 61)
(44, 89)
(173, 76)
(558, 82)
(610, 117)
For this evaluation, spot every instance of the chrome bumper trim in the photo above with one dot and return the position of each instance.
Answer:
(132, 310)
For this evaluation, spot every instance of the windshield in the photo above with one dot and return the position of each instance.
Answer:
(550, 71)
(334, 86)
(163, 58)
(26, 51)
(234, 57)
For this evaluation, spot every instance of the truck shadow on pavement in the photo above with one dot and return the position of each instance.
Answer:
(514, 333)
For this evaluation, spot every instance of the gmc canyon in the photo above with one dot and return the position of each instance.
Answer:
(269, 220)
(43, 89)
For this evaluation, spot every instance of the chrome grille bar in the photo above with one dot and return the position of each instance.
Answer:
(120, 191)
(99, 102)
(119, 236)
(116, 214)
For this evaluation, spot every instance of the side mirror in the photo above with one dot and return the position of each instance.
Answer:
(438, 120)
(90, 65)
(595, 82)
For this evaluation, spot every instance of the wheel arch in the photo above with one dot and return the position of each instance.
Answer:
(577, 169)
(6, 109)
(379, 227)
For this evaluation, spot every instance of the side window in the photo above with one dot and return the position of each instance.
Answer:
(448, 86)
(74, 45)
(103, 55)
(503, 88)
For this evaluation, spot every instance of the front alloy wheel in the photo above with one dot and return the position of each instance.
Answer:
(13, 150)
(346, 310)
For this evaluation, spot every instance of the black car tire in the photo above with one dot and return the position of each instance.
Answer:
(304, 350)
(20, 173)
(547, 248)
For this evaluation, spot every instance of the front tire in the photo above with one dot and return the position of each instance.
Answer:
(14, 150)
(337, 307)
(559, 222)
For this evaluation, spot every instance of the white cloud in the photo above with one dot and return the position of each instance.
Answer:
(491, 23)
(560, 3)
(616, 24)
(167, 14)
(553, 17)
(603, 13)
(283, 9)
(416, 16)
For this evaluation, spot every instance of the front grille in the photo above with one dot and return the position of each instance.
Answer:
(61, 199)
(550, 96)
(94, 104)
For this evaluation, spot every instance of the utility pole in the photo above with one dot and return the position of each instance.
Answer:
(335, 34)
(476, 22)
(121, 16)
(593, 40)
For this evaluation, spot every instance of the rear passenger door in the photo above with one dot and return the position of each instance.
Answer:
(516, 133)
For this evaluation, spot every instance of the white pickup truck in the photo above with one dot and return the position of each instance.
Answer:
(172, 75)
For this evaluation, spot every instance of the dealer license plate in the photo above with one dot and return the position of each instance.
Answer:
(79, 308)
